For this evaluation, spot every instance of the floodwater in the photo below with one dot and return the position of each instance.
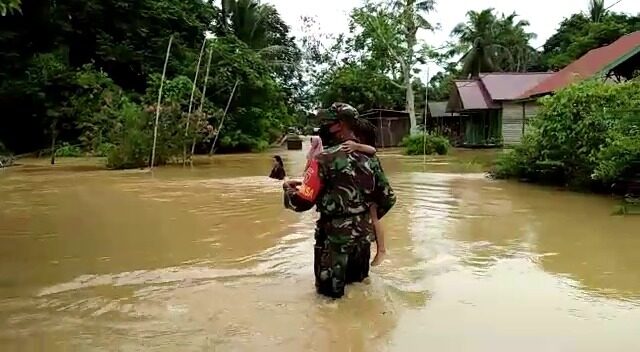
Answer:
(207, 259)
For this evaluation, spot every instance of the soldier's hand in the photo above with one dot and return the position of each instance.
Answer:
(291, 184)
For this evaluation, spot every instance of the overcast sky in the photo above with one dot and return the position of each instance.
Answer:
(544, 15)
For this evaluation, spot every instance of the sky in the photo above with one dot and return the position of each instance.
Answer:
(544, 15)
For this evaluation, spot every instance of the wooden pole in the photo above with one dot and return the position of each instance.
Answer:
(424, 127)
(204, 92)
(193, 92)
(155, 127)
(226, 109)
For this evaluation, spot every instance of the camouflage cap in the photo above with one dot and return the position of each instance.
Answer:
(338, 111)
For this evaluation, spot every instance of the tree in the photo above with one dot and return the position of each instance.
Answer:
(580, 33)
(389, 32)
(9, 6)
(73, 70)
(490, 43)
(596, 10)
(357, 84)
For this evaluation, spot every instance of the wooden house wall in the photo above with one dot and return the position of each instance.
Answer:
(515, 117)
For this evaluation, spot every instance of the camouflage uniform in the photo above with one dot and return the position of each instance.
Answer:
(342, 186)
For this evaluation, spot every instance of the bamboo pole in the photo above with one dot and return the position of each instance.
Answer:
(424, 127)
(155, 127)
(226, 109)
(204, 92)
(193, 92)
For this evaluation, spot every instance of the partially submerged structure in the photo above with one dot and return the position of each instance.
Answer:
(490, 109)
(444, 123)
(497, 106)
(391, 126)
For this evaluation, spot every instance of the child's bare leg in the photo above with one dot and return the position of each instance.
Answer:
(381, 250)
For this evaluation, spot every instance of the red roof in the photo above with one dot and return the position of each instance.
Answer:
(473, 96)
(590, 64)
(511, 85)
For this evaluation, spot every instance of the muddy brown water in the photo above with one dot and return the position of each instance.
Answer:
(206, 259)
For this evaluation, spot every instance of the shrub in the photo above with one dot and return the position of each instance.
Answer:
(69, 151)
(104, 149)
(584, 136)
(418, 144)
(133, 139)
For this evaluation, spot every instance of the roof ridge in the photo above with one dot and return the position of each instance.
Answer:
(517, 73)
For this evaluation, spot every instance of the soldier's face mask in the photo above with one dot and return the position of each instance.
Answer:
(325, 133)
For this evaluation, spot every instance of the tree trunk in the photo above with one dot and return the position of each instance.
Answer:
(411, 31)
(410, 103)
(406, 71)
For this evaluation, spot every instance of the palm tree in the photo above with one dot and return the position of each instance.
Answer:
(513, 35)
(9, 6)
(245, 19)
(490, 43)
(597, 11)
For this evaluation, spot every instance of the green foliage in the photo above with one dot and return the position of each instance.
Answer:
(586, 135)
(104, 149)
(493, 43)
(9, 6)
(132, 138)
(621, 151)
(71, 72)
(360, 85)
(578, 34)
(417, 144)
(69, 151)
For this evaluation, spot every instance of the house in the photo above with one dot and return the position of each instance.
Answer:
(492, 111)
(497, 106)
(444, 123)
(391, 126)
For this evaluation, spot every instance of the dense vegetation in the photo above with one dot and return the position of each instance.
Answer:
(494, 42)
(87, 73)
(586, 136)
(82, 77)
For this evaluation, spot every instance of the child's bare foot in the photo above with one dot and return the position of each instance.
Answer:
(377, 260)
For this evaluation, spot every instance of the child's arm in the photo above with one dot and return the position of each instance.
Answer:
(351, 146)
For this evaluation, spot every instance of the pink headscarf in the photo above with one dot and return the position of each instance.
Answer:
(316, 147)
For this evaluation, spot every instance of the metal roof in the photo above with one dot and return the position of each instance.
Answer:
(473, 95)
(595, 62)
(511, 85)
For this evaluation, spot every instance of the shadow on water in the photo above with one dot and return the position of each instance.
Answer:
(206, 258)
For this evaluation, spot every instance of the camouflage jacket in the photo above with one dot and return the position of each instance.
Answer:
(342, 186)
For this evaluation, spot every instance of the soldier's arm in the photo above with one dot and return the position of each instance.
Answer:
(383, 194)
(302, 196)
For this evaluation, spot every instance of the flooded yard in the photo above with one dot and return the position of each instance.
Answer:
(206, 258)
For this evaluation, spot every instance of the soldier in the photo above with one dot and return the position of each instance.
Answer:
(342, 186)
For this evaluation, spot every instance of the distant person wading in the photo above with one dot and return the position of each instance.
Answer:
(277, 172)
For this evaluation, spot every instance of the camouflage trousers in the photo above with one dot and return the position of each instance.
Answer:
(338, 263)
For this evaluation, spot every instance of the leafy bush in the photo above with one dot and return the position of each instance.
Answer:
(133, 139)
(417, 144)
(69, 151)
(104, 149)
(586, 135)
